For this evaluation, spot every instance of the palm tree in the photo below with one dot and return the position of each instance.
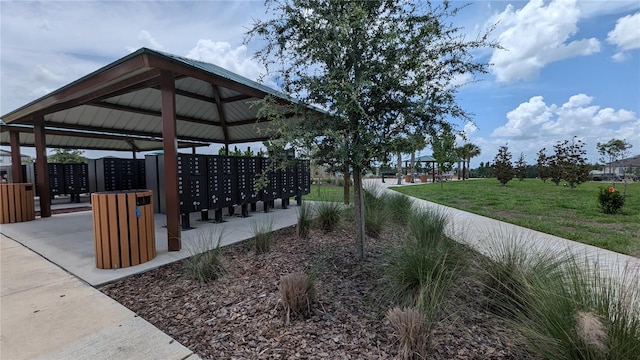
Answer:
(468, 151)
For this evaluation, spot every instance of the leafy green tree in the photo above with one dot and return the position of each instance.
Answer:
(575, 169)
(613, 150)
(467, 152)
(444, 151)
(502, 166)
(521, 168)
(543, 165)
(379, 69)
(555, 162)
(67, 156)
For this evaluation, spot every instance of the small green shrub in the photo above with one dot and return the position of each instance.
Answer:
(305, 218)
(263, 235)
(376, 212)
(610, 200)
(329, 215)
(205, 263)
(412, 331)
(297, 293)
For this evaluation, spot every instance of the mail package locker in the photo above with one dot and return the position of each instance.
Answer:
(76, 178)
(192, 183)
(222, 181)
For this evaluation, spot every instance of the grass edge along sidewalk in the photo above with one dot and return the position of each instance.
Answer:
(546, 207)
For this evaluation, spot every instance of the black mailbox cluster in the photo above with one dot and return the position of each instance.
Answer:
(114, 174)
(64, 179)
(216, 182)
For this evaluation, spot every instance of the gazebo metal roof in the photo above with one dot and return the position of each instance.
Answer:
(213, 105)
(145, 96)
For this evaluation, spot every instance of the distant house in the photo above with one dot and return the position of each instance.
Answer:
(625, 166)
(5, 158)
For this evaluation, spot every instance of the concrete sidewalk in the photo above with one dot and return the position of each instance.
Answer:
(48, 308)
(47, 313)
(485, 235)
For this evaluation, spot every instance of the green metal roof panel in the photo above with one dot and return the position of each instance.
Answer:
(218, 71)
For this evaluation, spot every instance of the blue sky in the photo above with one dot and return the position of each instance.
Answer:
(569, 68)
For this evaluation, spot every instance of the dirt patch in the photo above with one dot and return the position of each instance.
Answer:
(240, 316)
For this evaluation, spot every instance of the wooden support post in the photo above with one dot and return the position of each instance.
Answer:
(16, 161)
(170, 144)
(41, 167)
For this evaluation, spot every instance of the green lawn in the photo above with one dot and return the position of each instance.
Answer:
(571, 214)
(327, 193)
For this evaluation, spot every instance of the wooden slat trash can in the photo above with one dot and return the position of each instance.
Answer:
(17, 204)
(123, 228)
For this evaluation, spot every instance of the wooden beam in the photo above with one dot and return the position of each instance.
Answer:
(42, 169)
(92, 86)
(167, 86)
(221, 116)
(16, 161)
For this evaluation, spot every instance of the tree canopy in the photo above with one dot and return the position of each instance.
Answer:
(381, 69)
(67, 156)
(502, 166)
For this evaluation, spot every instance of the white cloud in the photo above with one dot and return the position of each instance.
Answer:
(535, 36)
(221, 53)
(626, 35)
(145, 40)
(525, 118)
(542, 125)
(578, 116)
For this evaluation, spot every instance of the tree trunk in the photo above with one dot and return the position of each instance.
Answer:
(398, 169)
(464, 169)
(413, 167)
(359, 208)
(347, 178)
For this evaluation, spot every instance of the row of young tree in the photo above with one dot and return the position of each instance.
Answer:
(568, 162)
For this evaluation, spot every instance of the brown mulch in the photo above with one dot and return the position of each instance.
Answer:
(240, 315)
(67, 210)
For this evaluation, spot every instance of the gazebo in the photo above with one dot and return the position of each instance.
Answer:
(425, 159)
(147, 100)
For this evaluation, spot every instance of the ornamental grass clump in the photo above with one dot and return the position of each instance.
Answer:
(424, 269)
(328, 215)
(512, 267)
(577, 311)
(412, 332)
(610, 200)
(297, 294)
(376, 212)
(206, 262)
(263, 235)
(305, 217)
(400, 208)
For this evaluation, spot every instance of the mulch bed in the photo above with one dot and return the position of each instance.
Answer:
(67, 210)
(240, 315)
